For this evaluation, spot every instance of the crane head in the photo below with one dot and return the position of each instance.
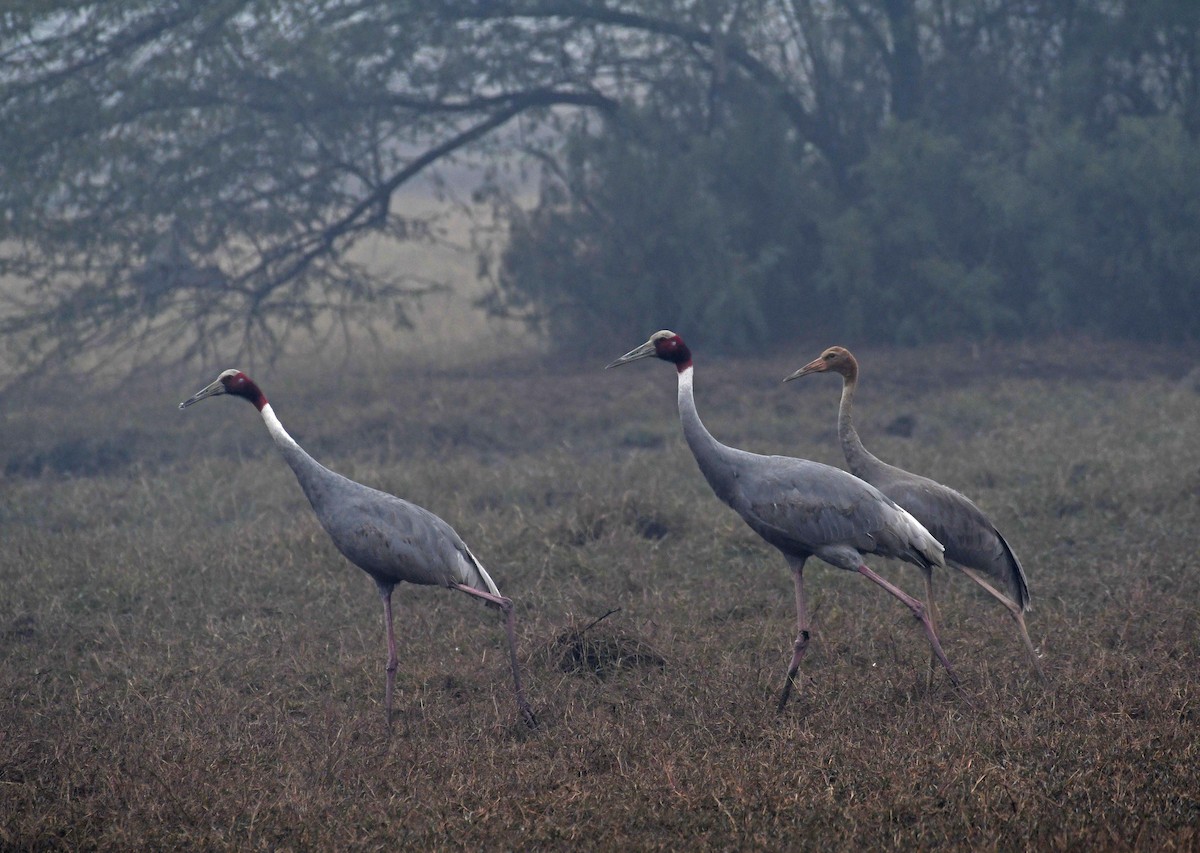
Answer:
(663, 344)
(835, 359)
(231, 381)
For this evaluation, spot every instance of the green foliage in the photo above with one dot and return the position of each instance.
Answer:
(1112, 229)
(655, 224)
(1076, 234)
(180, 178)
(1047, 181)
(941, 240)
(912, 260)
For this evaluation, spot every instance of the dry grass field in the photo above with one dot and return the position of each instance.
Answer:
(188, 663)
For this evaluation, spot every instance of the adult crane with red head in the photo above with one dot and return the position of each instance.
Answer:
(973, 544)
(390, 539)
(802, 508)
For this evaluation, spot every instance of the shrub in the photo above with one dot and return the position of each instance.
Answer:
(653, 225)
(733, 236)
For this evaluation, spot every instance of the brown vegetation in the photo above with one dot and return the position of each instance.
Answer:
(188, 662)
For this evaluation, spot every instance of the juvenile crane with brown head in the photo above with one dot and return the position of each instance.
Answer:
(973, 544)
(802, 508)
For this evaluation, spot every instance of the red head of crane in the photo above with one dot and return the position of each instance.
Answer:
(802, 508)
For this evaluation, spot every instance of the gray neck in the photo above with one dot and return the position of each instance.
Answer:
(862, 463)
(311, 474)
(712, 456)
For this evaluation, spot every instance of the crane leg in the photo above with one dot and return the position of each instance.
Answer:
(1014, 610)
(935, 619)
(1034, 658)
(506, 605)
(802, 632)
(919, 610)
(385, 592)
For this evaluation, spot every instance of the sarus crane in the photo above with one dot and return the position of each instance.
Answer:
(802, 508)
(390, 539)
(973, 544)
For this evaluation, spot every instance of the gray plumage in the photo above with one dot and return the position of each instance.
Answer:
(800, 507)
(973, 544)
(389, 538)
(968, 535)
(804, 508)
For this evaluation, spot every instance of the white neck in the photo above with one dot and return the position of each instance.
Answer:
(685, 380)
(687, 404)
(304, 466)
(284, 441)
(706, 449)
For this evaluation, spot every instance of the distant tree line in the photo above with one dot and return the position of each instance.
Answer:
(179, 177)
(907, 171)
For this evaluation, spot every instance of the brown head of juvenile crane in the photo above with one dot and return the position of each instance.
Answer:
(387, 537)
(802, 508)
(973, 544)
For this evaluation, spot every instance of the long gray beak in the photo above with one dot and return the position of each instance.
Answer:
(814, 366)
(644, 351)
(211, 391)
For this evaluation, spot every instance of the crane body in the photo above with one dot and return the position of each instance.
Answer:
(800, 507)
(973, 544)
(392, 540)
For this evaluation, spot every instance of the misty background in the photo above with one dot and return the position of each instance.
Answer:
(190, 180)
(424, 228)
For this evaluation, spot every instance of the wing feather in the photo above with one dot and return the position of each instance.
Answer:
(394, 540)
(970, 537)
(804, 505)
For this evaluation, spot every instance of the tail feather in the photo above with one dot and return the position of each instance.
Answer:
(481, 580)
(929, 551)
(1017, 579)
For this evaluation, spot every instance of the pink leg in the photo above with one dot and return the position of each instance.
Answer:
(802, 632)
(1017, 615)
(918, 610)
(934, 620)
(385, 592)
(506, 606)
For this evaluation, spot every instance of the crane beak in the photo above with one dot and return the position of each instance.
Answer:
(646, 350)
(211, 391)
(814, 366)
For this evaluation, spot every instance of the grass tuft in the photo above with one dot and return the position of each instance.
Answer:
(601, 653)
